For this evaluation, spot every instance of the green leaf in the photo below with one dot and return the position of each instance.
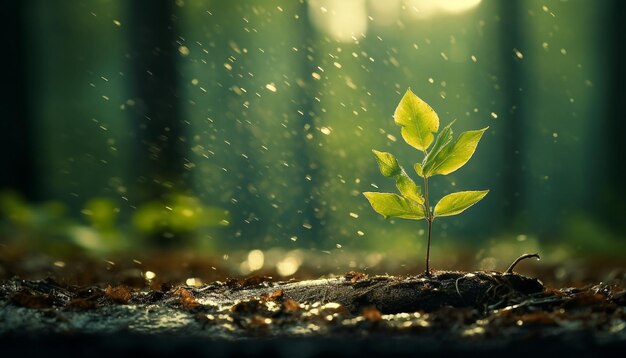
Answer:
(455, 154)
(417, 119)
(393, 205)
(387, 164)
(419, 170)
(443, 139)
(456, 203)
(408, 188)
(389, 167)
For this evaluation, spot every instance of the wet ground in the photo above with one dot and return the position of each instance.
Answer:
(268, 315)
(350, 314)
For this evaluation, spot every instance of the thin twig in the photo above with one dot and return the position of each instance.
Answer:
(456, 284)
(509, 271)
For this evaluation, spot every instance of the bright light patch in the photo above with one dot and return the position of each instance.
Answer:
(193, 281)
(342, 20)
(422, 9)
(457, 6)
(255, 260)
(290, 264)
(385, 12)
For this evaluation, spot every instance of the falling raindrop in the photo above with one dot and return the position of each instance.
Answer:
(183, 50)
(271, 87)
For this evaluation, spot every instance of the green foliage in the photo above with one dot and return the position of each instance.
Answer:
(452, 156)
(389, 167)
(179, 214)
(419, 123)
(394, 205)
(457, 203)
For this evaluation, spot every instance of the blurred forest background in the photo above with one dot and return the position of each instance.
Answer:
(248, 125)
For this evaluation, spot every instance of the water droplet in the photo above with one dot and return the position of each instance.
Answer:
(184, 50)
(494, 115)
(354, 215)
(518, 53)
(271, 87)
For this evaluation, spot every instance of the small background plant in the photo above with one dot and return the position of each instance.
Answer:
(419, 123)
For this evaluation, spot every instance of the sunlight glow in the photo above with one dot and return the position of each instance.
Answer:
(256, 259)
(422, 9)
(342, 20)
(290, 264)
(385, 12)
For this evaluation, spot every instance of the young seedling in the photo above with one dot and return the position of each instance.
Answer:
(418, 124)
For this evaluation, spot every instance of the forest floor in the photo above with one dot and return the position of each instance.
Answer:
(448, 313)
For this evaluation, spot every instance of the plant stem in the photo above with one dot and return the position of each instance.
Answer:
(509, 271)
(430, 225)
(429, 219)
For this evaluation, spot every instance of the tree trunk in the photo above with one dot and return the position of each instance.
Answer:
(512, 40)
(16, 140)
(154, 54)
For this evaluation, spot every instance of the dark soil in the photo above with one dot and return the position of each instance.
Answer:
(447, 313)
(91, 306)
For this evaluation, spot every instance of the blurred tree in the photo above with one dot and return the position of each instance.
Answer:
(614, 192)
(16, 141)
(512, 44)
(310, 177)
(251, 104)
(154, 54)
